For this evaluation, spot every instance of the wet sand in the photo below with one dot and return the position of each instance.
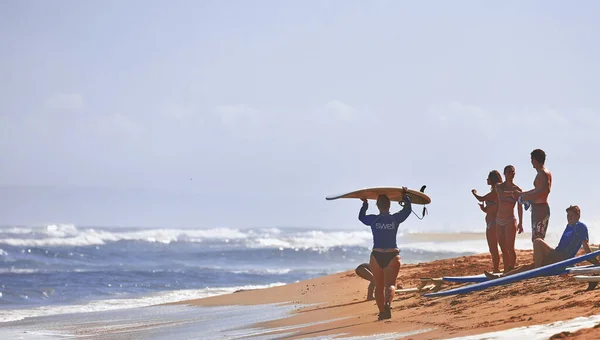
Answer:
(341, 299)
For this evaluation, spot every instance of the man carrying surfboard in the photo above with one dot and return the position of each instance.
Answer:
(385, 257)
(538, 196)
(573, 238)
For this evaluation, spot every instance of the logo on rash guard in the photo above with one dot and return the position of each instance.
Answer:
(384, 225)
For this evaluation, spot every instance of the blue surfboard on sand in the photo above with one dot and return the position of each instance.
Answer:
(482, 278)
(551, 269)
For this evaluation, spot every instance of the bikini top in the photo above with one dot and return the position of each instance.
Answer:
(488, 203)
(508, 199)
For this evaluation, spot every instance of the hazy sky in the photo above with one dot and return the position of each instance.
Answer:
(249, 113)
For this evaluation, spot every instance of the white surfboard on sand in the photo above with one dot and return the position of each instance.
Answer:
(426, 284)
(584, 270)
(586, 278)
(591, 280)
(415, 289)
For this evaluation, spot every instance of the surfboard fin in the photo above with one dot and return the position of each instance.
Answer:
(424, 208)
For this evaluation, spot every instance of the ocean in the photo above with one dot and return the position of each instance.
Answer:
(64, 269)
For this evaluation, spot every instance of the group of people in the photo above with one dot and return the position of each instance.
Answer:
(501, 230)
(502, 226)
(499, 207)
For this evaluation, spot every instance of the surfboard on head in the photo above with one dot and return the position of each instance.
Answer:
(393, 193)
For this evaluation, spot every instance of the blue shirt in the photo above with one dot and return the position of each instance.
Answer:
(572, 239)
(385, 226)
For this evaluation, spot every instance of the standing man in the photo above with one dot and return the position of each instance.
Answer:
(538, 196)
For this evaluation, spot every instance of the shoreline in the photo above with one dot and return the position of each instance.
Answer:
(336, 305)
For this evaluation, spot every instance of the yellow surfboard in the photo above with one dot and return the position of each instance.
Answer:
(393, 193)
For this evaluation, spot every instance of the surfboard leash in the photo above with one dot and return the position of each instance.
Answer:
(424, 208)
(424, 213)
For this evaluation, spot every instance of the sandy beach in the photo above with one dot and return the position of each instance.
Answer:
(336, 305)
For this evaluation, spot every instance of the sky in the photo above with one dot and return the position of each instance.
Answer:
(243, 114)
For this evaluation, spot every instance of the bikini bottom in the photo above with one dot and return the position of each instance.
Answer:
(506, 222)
(383, 259)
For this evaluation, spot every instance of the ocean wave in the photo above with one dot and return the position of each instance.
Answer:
(282, 271)
(261, 238)
(16, 230)
(315, 240)
(124, 303)
(45, 270)
(471, 246)
(69, 235)
(19, 271)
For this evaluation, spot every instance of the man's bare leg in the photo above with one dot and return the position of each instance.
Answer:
(541, 250)
(370, 292)
(364, 272)
(541, 256)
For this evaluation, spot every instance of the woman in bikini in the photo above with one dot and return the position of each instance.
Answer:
(506, 223)
(490, 208)
(385, 257)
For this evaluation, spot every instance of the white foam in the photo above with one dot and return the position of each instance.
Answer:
(16, 230)
(382, 336)
(61, 230)
(71, 236)
(114, 304)
(470, 246)
(281, 271)
(539, 331)
(314, 240)
(13, 270)
(273, 238)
